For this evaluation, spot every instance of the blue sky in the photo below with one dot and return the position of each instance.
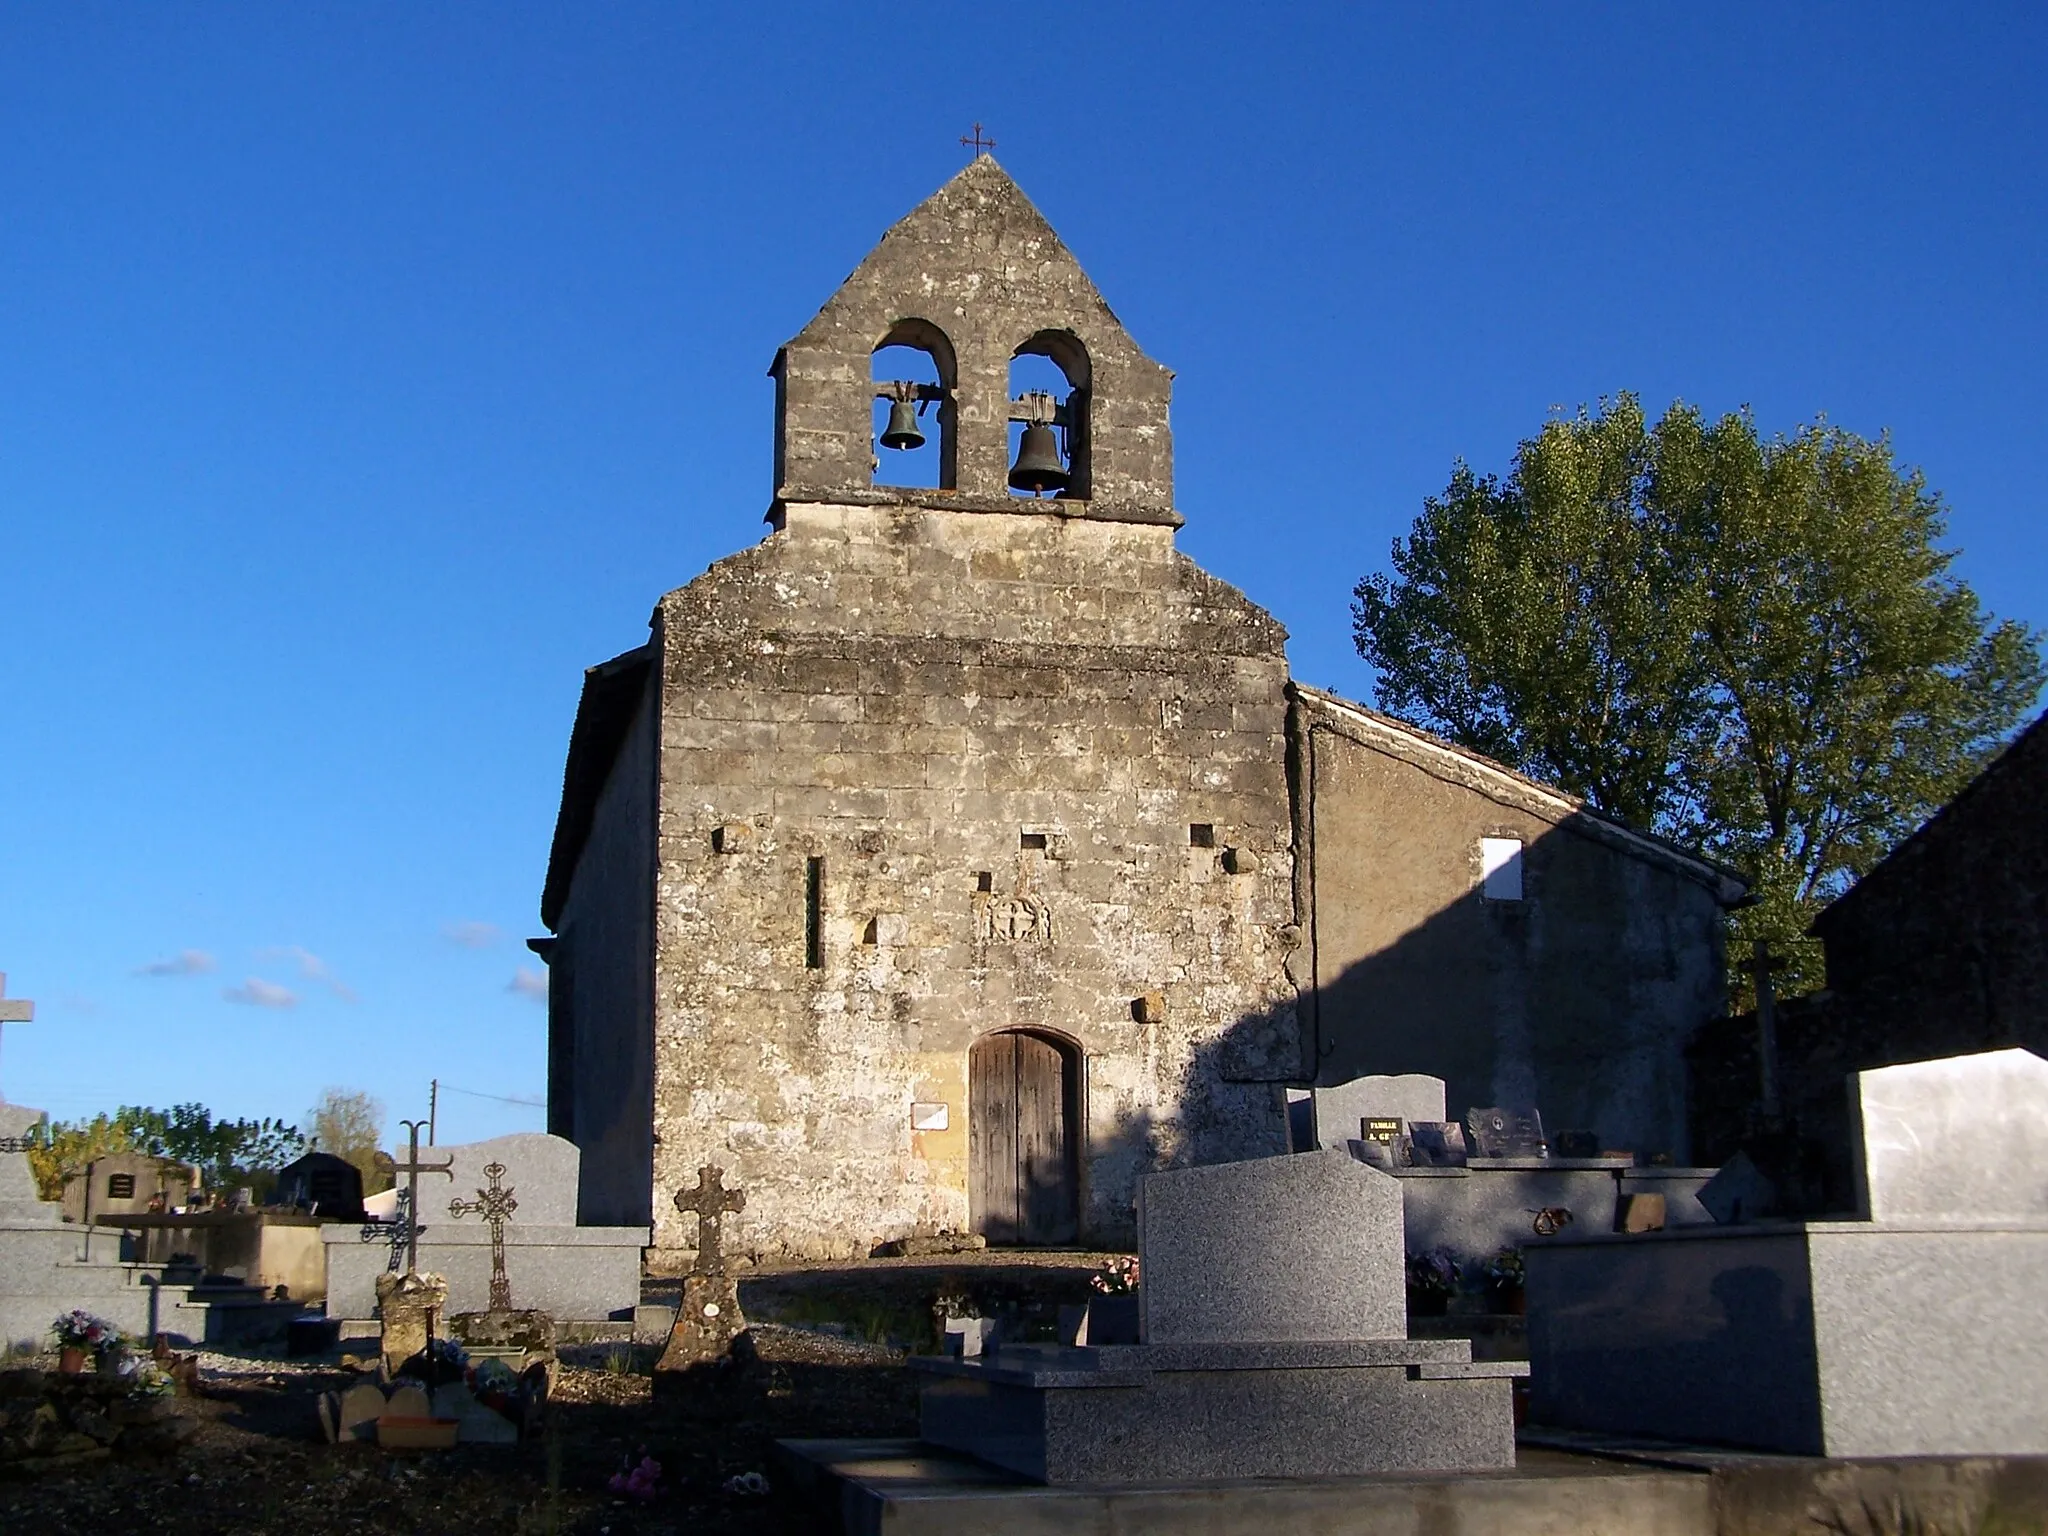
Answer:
(368, 371)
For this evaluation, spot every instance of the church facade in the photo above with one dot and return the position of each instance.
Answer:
(952, 856)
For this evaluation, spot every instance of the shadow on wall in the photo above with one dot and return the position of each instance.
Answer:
(1566, 973)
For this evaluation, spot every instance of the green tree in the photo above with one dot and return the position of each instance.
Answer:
(226, 1152)
(349, 1123)
(1753, 647)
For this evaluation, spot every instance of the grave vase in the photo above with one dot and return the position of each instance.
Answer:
(71, 1361)
(1428, 1303)
(1511, 1300)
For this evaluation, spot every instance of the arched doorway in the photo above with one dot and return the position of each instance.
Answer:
(1023, 1138)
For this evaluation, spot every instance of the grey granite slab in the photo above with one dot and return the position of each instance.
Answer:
(1964, 1138)
(1199, 1426)
(1340, 1110)
(1846, 1339)
(1054, 1366)
(541, 1170)
(585, 1274)
(19, 1200)
(1307, 1247)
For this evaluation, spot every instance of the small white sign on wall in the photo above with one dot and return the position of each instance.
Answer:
(1500, 865)
(928, 1117)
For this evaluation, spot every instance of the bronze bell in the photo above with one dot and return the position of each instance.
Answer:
(1038, 467)
(903, 431)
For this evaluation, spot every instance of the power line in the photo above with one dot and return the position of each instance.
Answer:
(527, 1101)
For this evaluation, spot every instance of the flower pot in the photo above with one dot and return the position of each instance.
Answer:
(1511, 1300)
(71, 1360)
(1428, 1303)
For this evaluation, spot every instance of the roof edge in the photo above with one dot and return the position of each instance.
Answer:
(612, 691)
(1432, 753)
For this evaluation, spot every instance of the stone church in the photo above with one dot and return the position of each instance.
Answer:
(961, 851)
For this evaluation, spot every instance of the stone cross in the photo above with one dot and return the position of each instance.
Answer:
(711, 1202)
(1760, 964)
(496, 1206)
(412, 1168)
(13, 1010)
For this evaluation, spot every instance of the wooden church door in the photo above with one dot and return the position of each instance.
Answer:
(1023, 1173)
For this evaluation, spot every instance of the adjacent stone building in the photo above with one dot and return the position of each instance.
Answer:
(953, 855)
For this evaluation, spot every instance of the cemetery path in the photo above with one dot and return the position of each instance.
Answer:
(255, 1462)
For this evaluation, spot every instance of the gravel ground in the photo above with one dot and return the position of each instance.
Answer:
(256, 1464)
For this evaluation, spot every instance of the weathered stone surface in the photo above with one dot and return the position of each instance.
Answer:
(925, 765)
(409, 1307)
(706, 1324)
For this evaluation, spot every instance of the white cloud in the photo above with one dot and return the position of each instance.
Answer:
(186, 962)
(529, 983)
(312, 968)
(258, 993)
(471, 935)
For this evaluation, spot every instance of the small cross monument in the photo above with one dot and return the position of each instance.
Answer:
(408, 1213)
(711, 1202)
(13, 1010)
(496, 1205)
(708, 1317)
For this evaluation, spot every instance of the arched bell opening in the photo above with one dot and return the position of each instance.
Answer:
(914, 374)
(1049, 416)
(1024, 1120)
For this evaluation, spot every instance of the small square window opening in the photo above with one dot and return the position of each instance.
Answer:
(1500, 865)
(1201, 835)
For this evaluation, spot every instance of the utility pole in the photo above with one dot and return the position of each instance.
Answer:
(433, 1106)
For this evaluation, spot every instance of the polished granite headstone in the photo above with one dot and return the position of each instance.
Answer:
(1914, 1332)
(1274, 1346)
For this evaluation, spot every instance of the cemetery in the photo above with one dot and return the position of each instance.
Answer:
(1273, 1354)
(1008, 1160)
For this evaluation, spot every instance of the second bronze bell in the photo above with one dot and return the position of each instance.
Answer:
(1038, 468)
(903, 432)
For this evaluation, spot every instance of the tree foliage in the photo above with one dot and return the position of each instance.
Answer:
(350, 1124)
(1753, 647)
(228, 1153)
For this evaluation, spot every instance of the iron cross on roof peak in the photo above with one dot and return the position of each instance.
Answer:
(976, 142)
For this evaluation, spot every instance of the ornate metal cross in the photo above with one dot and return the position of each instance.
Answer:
(711, 1202)
(977, 143)
(496, 1206)
(412, 1168)
(397, 1233)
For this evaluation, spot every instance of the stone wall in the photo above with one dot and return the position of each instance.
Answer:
(996, 733)
(1943, 948)
(1577, 998)
(600, 983)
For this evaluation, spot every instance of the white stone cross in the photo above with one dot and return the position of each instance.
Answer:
(13, 1010)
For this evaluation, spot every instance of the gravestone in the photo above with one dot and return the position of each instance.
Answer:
(1339, 1110)
(330, 1187)
(1506, 1133)
(1436, 1144)
(1275, 1345)
(478, 1423)
(1915, 1331)
(1739, 1193)
(1962, 1139)
(709, 1317)
(573, 1273)
(409, 1307)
